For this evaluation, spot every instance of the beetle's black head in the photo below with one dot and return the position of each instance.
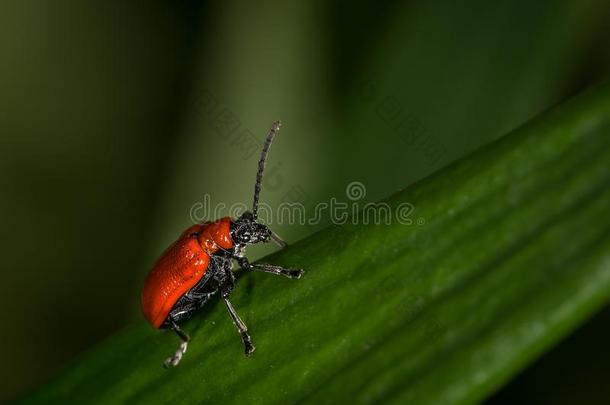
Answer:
(246, 231)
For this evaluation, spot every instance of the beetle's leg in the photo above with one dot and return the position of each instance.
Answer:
(241, 327)
(269, 268)
(175, 359)
(281, 271)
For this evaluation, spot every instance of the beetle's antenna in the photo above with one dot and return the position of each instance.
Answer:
(277, 239)
(275, 127)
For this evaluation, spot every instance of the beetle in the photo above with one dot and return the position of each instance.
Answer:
(199, 264)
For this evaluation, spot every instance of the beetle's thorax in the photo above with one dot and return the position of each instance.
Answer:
(215, 236)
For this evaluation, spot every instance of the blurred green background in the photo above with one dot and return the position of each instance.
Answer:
(117, 117)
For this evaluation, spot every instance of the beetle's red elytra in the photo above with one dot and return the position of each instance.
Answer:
(181, 266)
(199, 264)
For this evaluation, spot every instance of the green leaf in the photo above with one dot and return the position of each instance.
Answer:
(509, 250)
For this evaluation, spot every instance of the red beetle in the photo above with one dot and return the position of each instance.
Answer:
(200, 263)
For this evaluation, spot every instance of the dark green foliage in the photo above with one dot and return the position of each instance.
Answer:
(510, 253)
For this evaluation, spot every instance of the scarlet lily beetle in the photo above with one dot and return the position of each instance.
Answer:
(199, 264)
